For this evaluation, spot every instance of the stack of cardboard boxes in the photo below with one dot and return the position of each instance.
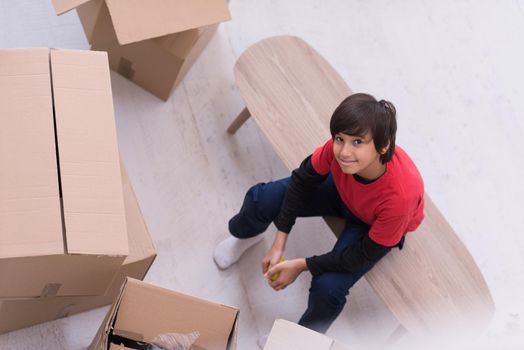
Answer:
(152, 43)
(71, 231)
(67, 214)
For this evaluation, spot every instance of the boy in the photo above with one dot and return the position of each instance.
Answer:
(359, 175)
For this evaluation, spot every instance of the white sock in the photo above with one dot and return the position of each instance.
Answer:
(231, 249)
(262, 340)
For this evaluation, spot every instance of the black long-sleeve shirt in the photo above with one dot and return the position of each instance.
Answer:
(361, 253)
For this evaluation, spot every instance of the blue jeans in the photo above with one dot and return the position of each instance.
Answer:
(328, 292)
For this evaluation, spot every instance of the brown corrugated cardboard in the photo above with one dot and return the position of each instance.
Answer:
(91, 17)
(118, 347)
(143, 311)
(145, 62)
(288, 335)
(62, 6)
(152, 43)
(88, 154)
(156, 17)
(63, 225)
(151, 65)
(180, 44)
(162, 17)
(26, 114)
(16, 314)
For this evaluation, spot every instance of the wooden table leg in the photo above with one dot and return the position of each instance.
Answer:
(237, 123)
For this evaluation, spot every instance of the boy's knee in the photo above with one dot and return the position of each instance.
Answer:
(253, 191)
(254, 197)
(265, 199)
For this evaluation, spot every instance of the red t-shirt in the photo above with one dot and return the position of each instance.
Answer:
(393, 204)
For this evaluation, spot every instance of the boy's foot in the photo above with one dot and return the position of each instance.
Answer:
(231, 249)
(261, 341)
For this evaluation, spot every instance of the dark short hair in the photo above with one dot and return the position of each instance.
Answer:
(360, 113)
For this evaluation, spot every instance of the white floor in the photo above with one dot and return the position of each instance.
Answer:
(453, 69)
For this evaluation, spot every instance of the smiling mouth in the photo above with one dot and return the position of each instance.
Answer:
(347, 162)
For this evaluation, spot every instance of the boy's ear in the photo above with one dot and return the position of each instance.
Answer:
(385, 149)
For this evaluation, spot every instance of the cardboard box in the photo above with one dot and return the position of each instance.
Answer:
(152, 43)
(288, 335)
(16, 314)
(118, 347)
(143, 311)
(62, 221)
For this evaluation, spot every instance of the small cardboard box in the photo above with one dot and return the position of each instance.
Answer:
(152, 43)
(143, 311)
(62, 221)
(118, 347)
(21, 313)
(287, 335)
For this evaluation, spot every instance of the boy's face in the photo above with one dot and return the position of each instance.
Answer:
(357, 155)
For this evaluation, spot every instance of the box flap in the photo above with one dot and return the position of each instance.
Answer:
(30, 219)
(62, 6)
(88, 154)
(180, 44)
(136, 20)
(146, 311)
(91, 17)
(288, 335)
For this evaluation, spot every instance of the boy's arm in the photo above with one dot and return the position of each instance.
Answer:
(388, 229)
(354, 257)
(304, 181)
(276, 252)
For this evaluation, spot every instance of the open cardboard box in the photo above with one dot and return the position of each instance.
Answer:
(62, 221)
(21, 313)
(144, 311)
(151, 42)
(118, 347)
(287, 335)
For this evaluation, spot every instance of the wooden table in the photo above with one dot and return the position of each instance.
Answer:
(433, 284)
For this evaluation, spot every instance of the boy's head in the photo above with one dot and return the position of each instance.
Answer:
(361, 113)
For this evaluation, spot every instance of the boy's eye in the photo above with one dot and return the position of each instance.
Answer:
(357, 141)
(338, 139)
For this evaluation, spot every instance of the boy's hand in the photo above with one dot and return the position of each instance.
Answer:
(276, 251)
(287, 271)
(271, 258)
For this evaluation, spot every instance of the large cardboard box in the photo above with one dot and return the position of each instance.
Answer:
(62, 221)
(287, 335)
(144, 311)
(21, 313)
(151, 42)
